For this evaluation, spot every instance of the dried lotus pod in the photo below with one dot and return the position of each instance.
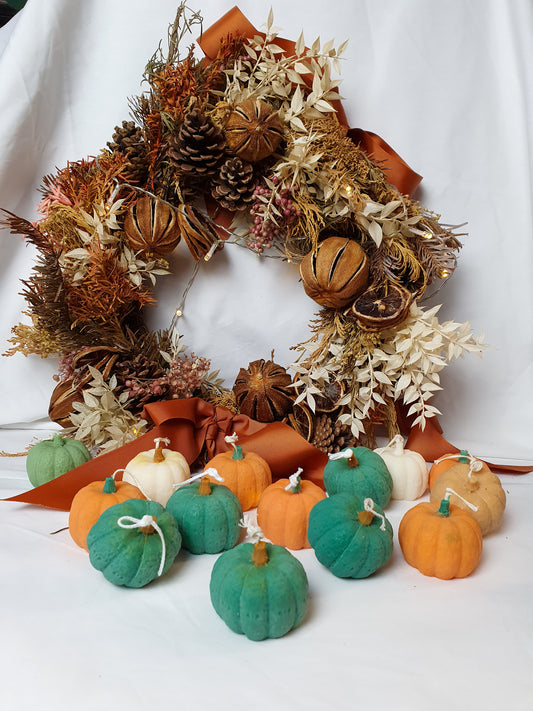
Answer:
(380, 307)
(263, 391)
(151, 226)
(70, 390)
(253, 130)
(335, 273)
(196, 231)
(62, 400)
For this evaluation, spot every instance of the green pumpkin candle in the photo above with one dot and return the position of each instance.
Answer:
(134, 542)
(259, 590)
(208, 515)
(351, 537)
(358, 471)
(51, 458)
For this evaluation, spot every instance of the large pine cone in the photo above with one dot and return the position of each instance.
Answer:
(198, 148)
(234, 186)
(263, 391)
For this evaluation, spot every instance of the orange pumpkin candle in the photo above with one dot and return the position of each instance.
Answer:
(246, 474)
(440, 539)
(283, 510)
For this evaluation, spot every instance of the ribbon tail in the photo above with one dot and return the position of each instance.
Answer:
(396, 169)
(431, 444)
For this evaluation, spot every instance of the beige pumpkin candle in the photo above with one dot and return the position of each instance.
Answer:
(473, 480)
(157, 471)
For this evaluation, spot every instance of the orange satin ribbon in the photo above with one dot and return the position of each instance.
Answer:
(431, 444)
(189, 424)
(398, 172)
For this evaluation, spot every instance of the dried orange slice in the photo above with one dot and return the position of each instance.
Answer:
(380, 307)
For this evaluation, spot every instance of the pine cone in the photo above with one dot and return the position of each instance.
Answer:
(330, 436)
(197, 149)
(144, 381)
(128, 140)
(125, 137)
(234, 186)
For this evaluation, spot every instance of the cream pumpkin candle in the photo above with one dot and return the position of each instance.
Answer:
(156, 471)
(408, 470)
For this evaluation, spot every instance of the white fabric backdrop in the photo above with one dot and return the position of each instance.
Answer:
(448, 85)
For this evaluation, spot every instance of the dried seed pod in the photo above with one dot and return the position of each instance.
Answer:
(263, 391)
(253, 130)
(70, 390)
(196, 231)
(335, 273)
(151, 226)
(381, 307)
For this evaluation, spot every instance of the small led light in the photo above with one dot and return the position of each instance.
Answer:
(444, 273)
(178, 312)
(211, 252)
(427, 235)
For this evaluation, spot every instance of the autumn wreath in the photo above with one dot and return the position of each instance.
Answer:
(247, 145)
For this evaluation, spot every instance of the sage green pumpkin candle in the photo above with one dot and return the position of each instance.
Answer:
(351, 537)
(359, 471)
(208, 516)
(259, 590)
(51, 458)
(134, 542)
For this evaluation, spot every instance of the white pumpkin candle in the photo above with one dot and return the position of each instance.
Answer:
(407, 468)
(157, 471)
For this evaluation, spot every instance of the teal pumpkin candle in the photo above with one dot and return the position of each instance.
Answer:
(134, 542)
(351, 537)
(259, 590)
(359, 471)
(51, 458)
(208, 516)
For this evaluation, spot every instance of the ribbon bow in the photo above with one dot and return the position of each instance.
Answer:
(189, 425)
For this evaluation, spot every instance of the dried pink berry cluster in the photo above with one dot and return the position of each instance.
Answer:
(183, 378)
(186, 375)
(265, 230)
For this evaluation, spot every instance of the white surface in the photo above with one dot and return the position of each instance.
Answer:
(397, 640)
(448, 85)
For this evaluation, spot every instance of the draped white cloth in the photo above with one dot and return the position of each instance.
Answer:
(448, 85)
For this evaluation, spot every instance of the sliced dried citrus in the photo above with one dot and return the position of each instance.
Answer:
(381, 307)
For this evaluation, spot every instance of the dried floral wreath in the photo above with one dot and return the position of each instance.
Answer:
(254, 134)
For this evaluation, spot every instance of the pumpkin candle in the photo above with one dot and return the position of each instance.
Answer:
(440, 539)
(283, 510)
